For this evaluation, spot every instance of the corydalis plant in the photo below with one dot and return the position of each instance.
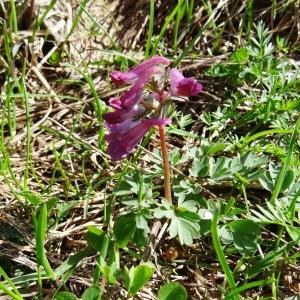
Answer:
(141, 107)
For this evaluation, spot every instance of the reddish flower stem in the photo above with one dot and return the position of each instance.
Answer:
(166, 165)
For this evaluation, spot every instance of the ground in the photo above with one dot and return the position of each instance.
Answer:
(233, 150)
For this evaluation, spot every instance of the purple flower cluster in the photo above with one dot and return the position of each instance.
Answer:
(137, 110)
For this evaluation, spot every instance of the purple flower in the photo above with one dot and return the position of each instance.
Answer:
(122, 143)
(127, 106)
(119, 78)
(140, 108)
(182, 86)
(120, 115)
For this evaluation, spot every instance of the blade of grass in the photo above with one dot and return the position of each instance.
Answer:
(165, 26)
(28, 143)
(39, 21)
(13, 16)
(8, 292)
(220, 254)
(179, 16)
(40, 234)
(150, 28)
(82, 6)
(246, 287)
(286, 164)
(267, 132)
(9, 281)
(200, 32)
(190, 9)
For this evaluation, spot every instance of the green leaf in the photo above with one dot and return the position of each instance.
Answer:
(140, 275)
(201, 166)
(294, 233)
(226, 235)
(172, 291)
(266, 261)
(141, 237)
(220, 169)
(40, 234)
(95, 237)
(65, 296)
(51, 203)
(240, 56)
(34, 199)
(124, 229)
(72, 261)
(288, 180)
(92, 293)
(245, 226)
(215, 148)
(111, 273)
(185, 225)
(245, 234)
(128, 277)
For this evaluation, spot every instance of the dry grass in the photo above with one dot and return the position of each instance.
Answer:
(65, 127)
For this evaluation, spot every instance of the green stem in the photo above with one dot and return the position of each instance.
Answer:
(166, 165)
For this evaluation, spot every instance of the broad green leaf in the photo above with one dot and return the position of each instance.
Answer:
(245, 226)
(172, 291)
(95, 237)
(245, 242)
(111, 273)
(124, 229)
(141, 276)
(245, 234)
(141, 237)
(92, 293)
(188, 205)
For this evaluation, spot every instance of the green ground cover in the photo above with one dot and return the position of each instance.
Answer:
(76, 225)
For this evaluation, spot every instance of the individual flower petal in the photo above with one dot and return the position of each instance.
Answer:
(155, 60)
(120, 115)
(182, 86)
(119, 78)
(121, 144)
(122, 127)
(115, 102)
